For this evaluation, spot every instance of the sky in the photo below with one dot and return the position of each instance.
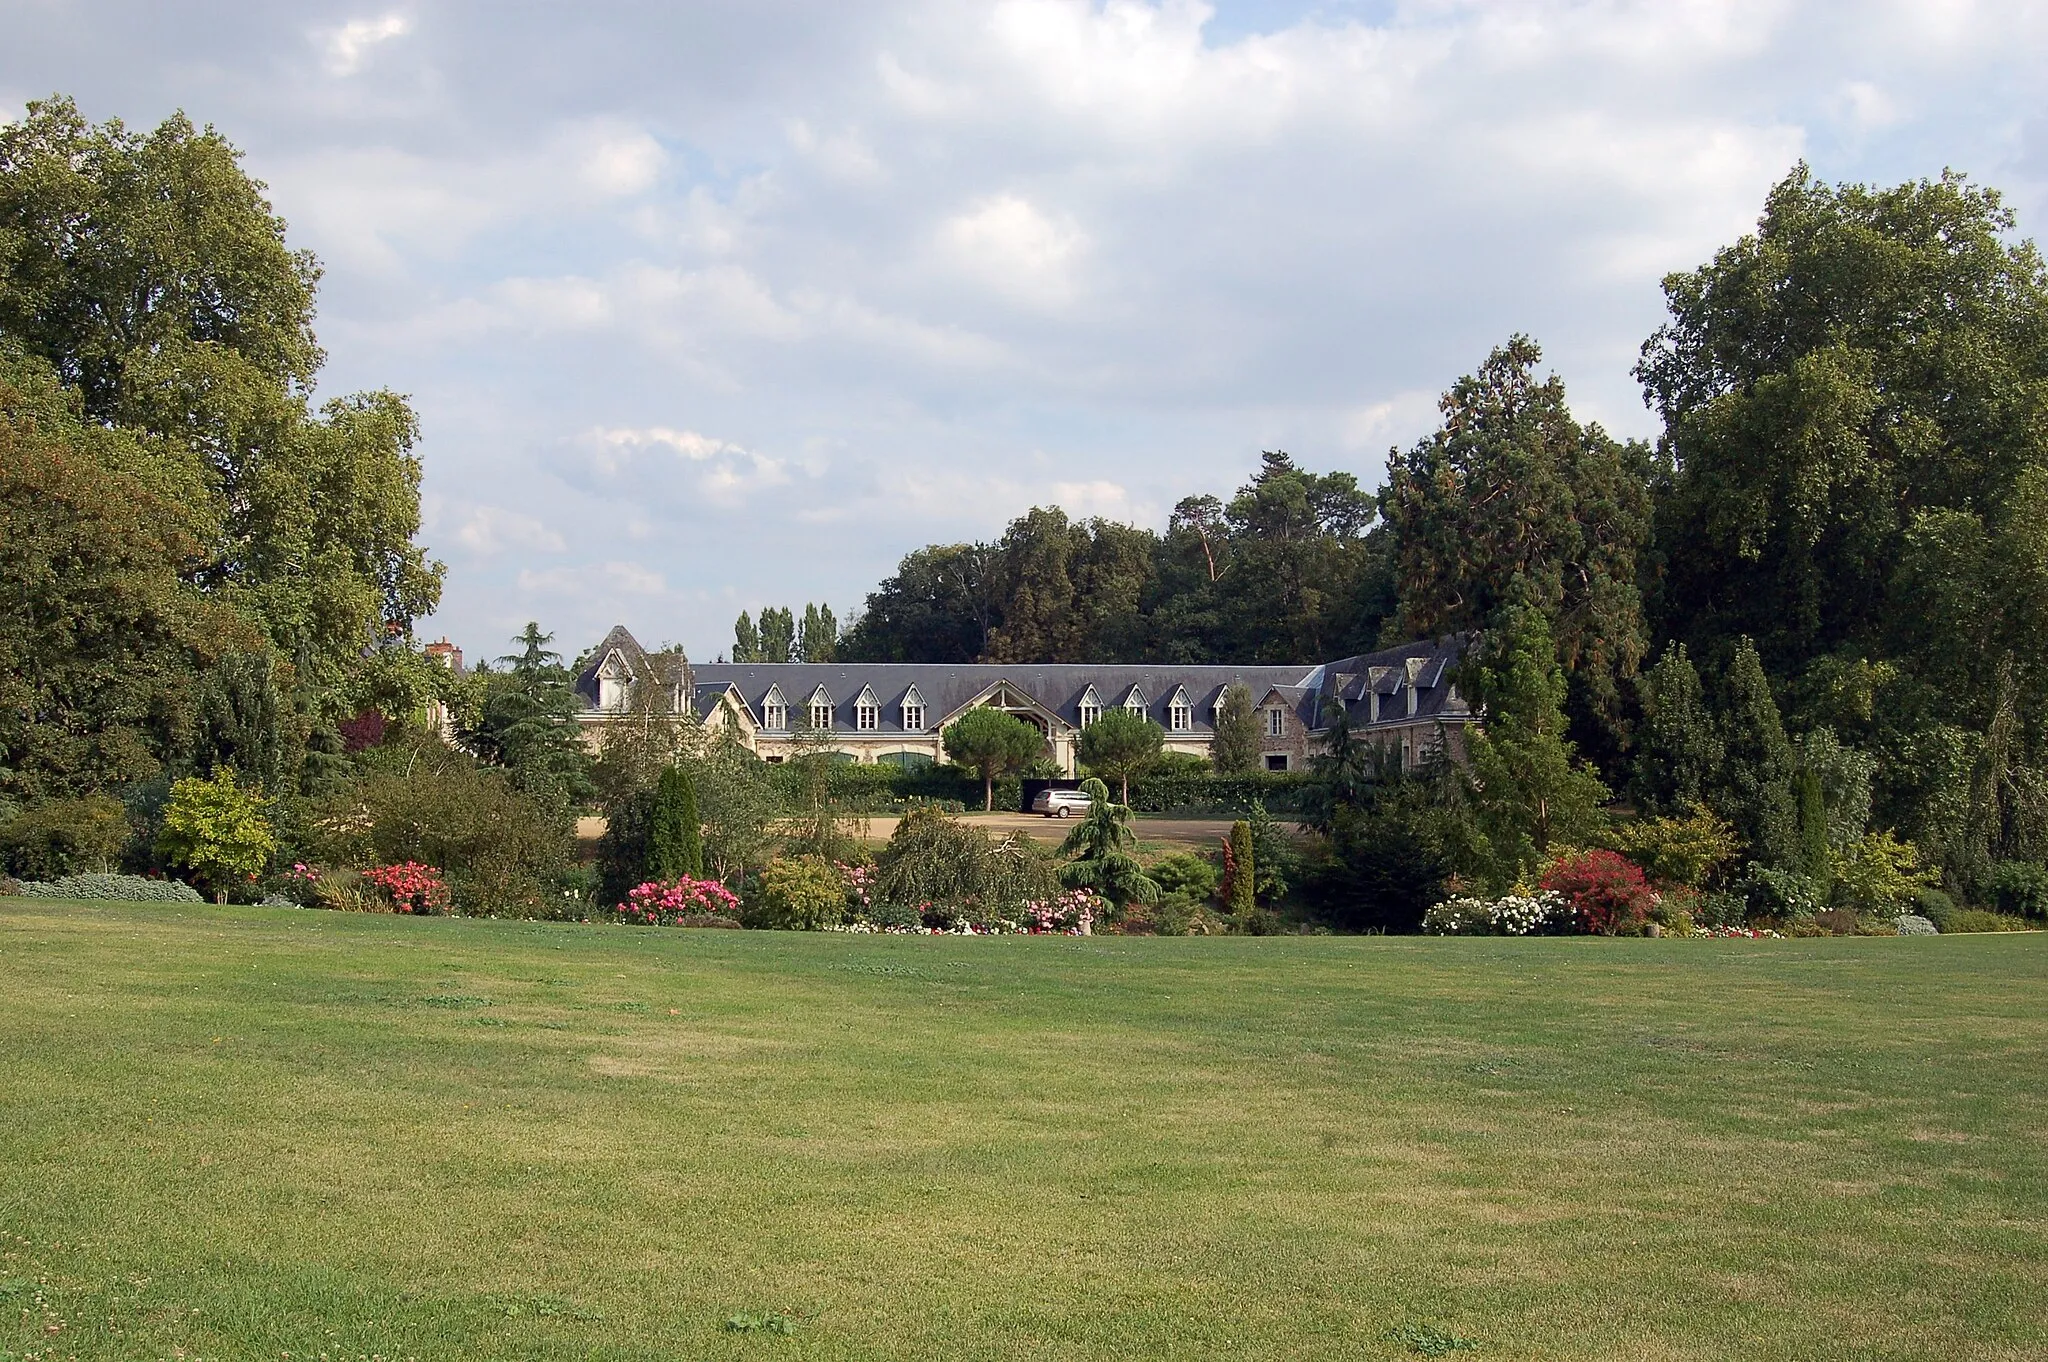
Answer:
(706, 306)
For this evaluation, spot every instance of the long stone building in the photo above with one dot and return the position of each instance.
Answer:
(1403, 698)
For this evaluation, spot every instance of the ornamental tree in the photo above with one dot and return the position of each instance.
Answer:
(1120, 745)
(1605, 889)
(1102, 844)
(217, 830)
(1235, 749)
(675, 837)
(993, 743)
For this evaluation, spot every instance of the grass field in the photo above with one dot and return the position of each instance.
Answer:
(256, 1133)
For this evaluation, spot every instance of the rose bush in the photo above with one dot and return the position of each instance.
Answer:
(412, 887)
(666, 903)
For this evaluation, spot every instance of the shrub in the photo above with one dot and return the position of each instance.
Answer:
(1685, 851)
(1240, 871)
(1978, 920)
(1838, 922)
(1912, 924)
(1785, 895)
(498, 847)
(218, 830)
(801, 893)
(2020, 888)
(345, 891)
(1193, 876)
(411, 887)
(59, 837)
(673, 903)
(1606, 891)
(1073, 913)
(950, 870)
(136, 888)
(1936, 906)
(1509, 915)
(675, 837)
(1879, 874)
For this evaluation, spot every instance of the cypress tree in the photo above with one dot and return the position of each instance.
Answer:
(1813, 825)
(1243, 872)
(675, 839)
(1679, 752)
(1755, 790)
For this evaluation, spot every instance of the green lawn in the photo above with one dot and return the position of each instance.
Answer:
(252, 1133)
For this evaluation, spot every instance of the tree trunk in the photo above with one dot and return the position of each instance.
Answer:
(1126, 784)
(988, 791)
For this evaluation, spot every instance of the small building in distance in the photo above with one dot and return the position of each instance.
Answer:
(1403, 698)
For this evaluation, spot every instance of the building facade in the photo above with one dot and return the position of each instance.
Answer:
(1403, 698)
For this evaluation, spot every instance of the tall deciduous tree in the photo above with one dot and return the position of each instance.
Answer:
(938, 607)
(778, 634)
(992, 744)
(1235, 747)
(746, 640)
(1512, 503)
(817, 639)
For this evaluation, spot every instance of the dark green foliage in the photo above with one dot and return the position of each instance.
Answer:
(1755, 791)
(2021, 888)
(1530, 791)
(1679, 750)
(1235, 749)
(622, 853)
(1813, 824)
(1512, 504)
(992, 743)
(245, 721)
(818, 638)
(58, 837)
(1101, 846)
(936, 608)
(778, 635)
(1185, 873)
(1119, 746)
(746, 640)
(675, 843)
(524, 721)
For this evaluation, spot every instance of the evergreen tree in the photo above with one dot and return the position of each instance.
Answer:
(1679, 750)
(1813, 824)
(1241, 894)
(1755, 789)
(746, 643)
(1235, 749)
(675, 838)
(993, 744)
(246, 722)
(1120, 745)
(1530, 790)
(1102, 845)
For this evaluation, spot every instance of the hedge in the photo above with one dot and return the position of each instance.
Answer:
(883, 789)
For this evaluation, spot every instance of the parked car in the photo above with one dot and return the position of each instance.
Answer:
(1061, 803)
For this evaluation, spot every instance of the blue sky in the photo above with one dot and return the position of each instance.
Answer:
(710, 306)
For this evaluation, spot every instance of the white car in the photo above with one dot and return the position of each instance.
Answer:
(1061, 803)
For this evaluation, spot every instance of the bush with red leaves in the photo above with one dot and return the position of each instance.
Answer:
(1607, 891)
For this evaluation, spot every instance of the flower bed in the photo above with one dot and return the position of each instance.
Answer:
(667, 903)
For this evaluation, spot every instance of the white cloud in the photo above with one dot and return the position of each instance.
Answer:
(718, 470)
(493, 530)
(1011, 246)
(594, 584)
(348, 45)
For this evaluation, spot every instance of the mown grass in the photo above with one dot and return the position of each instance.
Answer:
(253, 1133)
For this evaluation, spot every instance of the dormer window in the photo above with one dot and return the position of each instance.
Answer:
(614, 683)
(821, 709)
(774, 710)
(913, 711)
(867, 712)
(1135, 702)
(1091, 707)
(1180, 715)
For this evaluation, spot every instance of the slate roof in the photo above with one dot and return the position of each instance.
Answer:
(946, 688)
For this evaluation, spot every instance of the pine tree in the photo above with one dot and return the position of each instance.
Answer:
(675, 840)
(1755, 789)
(1680, 751)
(746, 641)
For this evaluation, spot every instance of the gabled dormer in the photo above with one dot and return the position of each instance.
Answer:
(913, 711)
(1180, 711)
(1091, 706)
(1134, 701)
(614, 681)
(820, 710)
(775, 711)
(867, 711)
